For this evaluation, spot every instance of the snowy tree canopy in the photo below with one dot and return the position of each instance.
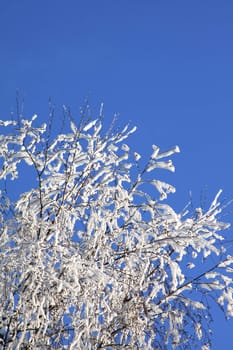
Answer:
(93, 257)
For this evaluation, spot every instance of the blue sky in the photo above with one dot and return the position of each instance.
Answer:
(166, 66)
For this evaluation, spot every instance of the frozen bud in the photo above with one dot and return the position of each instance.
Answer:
(190, 265)
(194, 255)
(125, 147)
(137, 156)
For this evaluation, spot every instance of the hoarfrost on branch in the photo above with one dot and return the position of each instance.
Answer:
(91, 258)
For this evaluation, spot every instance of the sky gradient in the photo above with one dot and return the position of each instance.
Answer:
(165, 66)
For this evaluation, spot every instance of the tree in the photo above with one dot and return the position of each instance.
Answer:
(93, 257)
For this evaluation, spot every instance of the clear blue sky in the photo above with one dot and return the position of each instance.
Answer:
(165, 65)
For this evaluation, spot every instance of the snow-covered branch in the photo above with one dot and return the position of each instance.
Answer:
(93, 257)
